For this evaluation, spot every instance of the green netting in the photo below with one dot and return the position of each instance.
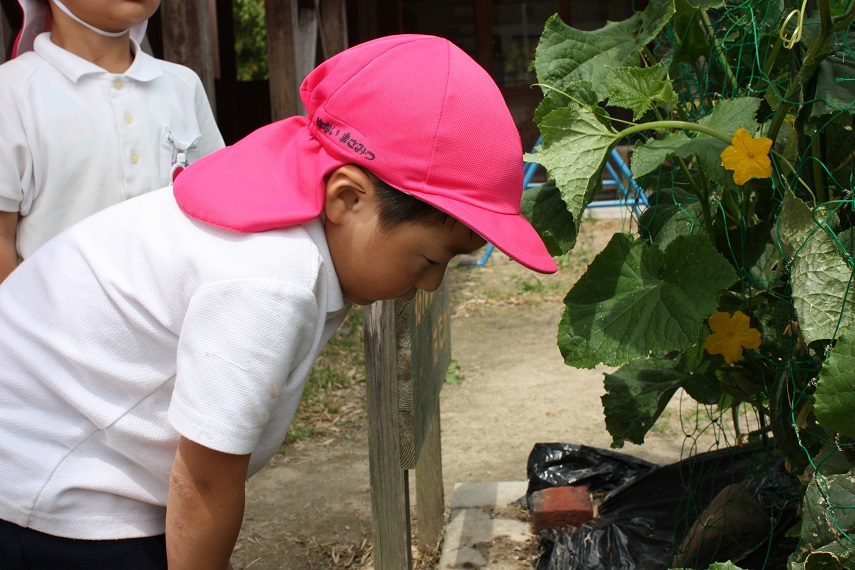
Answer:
(737, 65)
(776, 248)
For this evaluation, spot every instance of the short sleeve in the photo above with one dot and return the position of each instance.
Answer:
(212, 139)
(16, 166)
(238, 344)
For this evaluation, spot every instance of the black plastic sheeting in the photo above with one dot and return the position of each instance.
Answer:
(648, 509)
(560, 464)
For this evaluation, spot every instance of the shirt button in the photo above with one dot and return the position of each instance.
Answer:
(117, 84)
(134, 158)
(129, 118)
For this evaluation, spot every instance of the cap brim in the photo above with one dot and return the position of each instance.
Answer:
(511, 234)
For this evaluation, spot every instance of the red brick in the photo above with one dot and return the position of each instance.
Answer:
(559, 507)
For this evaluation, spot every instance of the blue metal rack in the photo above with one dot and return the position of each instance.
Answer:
(633, 196)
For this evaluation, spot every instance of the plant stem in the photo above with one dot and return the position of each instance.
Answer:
(783, 159)
(719, 50)
(808, 64)
(701, 191)
(770, 59)
(843, 21)
(666, 125)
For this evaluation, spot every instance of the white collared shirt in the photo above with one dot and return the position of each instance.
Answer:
(75, 139)
(139, 324)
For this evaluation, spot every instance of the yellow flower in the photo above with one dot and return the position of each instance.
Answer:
(747, 157)
(731, 335)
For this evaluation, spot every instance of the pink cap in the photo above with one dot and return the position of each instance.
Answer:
(416, 111)
(37, 19)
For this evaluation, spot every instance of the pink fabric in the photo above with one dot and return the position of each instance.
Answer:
(415, 110)
(37, 19)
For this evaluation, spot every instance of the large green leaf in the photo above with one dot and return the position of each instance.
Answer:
(826, 511)
(835, 86)
(640, 89)
(821, 278)
(575, 148)
(546, 211)
(795, 225)
(635, 298)
(637, 393)
(835, 389)
(565, 55)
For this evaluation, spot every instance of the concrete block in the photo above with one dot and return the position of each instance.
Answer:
(489, 494)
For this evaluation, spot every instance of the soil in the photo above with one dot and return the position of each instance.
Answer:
(310, 508)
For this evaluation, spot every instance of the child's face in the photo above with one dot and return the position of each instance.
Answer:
(109, 15)
(396, 264)
(372, 265)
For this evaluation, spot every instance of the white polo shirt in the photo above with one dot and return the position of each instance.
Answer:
(140, 324)
(75, 139)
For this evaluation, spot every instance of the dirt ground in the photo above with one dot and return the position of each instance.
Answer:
(310, 508)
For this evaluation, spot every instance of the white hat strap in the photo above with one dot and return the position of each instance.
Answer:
(62, 7)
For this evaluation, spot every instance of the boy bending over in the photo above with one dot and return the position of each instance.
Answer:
(152, 356)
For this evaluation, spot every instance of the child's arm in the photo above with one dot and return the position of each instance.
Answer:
(204, 509)
(8, 247)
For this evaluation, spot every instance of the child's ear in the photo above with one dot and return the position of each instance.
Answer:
(348, 190)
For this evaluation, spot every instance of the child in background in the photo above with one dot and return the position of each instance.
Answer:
(152, 356)
(87, 119)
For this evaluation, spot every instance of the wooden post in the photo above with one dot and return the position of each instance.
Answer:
(289, 32)
(293, 30)
(333, 19)
(5, 32)
(430, 503)
(484, 50)
(10, 23)
(407, 352)
(427, 322)
(390, 510)
(188, 39)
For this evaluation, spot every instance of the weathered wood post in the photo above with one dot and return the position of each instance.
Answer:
(293, 27)
(188, 39)
(407, 351)
(5, 33)
(429, 351)
(390, 509)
